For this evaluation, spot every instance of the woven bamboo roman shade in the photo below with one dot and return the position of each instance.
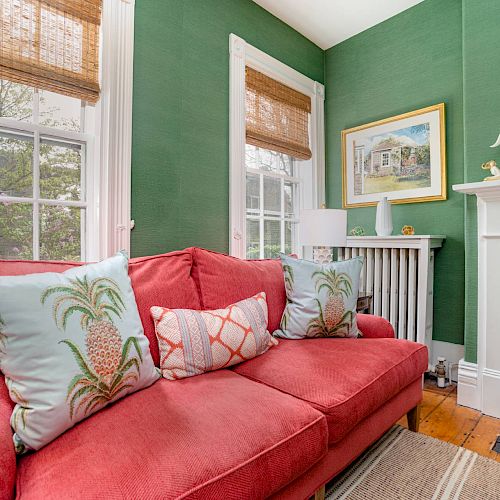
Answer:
(277, 117)
(52, 45)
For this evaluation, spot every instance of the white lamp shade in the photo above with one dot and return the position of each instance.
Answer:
(323, 227)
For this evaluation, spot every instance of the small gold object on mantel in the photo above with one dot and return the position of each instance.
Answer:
(494, 170)
(407, 230)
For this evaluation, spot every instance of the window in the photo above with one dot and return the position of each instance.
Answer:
(272, 194)
(45, 143)
(64, 164)
(276, 152)
(385, 159)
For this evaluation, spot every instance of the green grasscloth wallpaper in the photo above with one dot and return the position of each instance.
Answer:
(481, 43)
(408, 62)
(180, 152)
(438, 51)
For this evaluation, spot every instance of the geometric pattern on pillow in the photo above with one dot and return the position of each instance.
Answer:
(71, 343)
(193, 342)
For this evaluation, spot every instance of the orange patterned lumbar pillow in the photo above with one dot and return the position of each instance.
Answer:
(194, 342)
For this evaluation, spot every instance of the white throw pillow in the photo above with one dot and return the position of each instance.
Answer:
(71, 343)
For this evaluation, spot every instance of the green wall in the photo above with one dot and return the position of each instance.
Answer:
(180, 156)
(438, 51)
(408, 62)
(481, 77)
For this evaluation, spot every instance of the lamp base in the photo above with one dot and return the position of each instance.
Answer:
(322, 255)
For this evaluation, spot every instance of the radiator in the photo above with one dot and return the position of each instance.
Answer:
(399, 272)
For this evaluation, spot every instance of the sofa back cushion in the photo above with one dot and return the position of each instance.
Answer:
(223, 280)
(157, 280)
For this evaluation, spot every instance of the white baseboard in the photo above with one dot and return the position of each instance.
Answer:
(453, 354)
(480, 391)
(469, 389)
(491, 392)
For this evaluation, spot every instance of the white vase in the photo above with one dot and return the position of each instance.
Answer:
(383, 222)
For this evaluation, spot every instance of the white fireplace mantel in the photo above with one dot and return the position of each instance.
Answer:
(479, 384)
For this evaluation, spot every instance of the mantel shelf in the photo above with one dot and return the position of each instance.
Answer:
(481, 189)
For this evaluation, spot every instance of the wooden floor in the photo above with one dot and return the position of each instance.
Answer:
(443, 419)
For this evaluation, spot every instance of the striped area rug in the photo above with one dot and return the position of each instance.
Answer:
(404, 465)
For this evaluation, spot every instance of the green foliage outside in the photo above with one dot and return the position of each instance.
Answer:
(60, 172)
(270, 251)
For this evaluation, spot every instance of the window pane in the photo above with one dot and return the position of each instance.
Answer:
(253, 239)
(60, 170)
(286, 164)
(290, 228)
(289, 200)
(16, 231)
(253, 193)
(268, 161)
(272, 196)
(278, 202)
(251, 160)
(16, 165)
(16, 101)
(59, 111)
(272, 239)
(60, 233)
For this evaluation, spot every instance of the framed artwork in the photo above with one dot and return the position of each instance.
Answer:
(402, 157)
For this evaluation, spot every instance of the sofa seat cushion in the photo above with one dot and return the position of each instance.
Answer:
(217, 435)
(346, 379)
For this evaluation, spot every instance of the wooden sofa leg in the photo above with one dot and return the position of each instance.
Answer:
(319, 494)
(413, 417)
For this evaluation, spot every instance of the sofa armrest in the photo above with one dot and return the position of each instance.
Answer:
(7, 452)
(374, 327)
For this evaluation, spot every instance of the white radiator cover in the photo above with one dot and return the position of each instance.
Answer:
(399, 272)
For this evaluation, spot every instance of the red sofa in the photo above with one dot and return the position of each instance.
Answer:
(280, 425)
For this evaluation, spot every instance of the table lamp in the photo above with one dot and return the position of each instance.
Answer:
(323, 229)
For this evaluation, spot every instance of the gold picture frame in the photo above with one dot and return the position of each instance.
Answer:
(390, 167)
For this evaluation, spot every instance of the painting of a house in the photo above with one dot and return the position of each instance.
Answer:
(396, 161)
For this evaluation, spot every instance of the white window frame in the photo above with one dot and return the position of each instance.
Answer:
(114, 130)
(107, 136)
(243, 54)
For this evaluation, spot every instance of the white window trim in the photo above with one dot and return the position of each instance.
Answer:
(113, 224)
(243, 54)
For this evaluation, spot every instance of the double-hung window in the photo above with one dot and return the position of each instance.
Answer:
(276, 152)
(64, 151)
(49, 69)
(46, 142)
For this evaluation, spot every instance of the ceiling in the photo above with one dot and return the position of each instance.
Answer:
(328, 22)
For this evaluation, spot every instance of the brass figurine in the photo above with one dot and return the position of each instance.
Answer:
(494, 170)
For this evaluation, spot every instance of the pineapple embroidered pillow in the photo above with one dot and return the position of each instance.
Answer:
(70, 344)
(194, 342)
(321, 298)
